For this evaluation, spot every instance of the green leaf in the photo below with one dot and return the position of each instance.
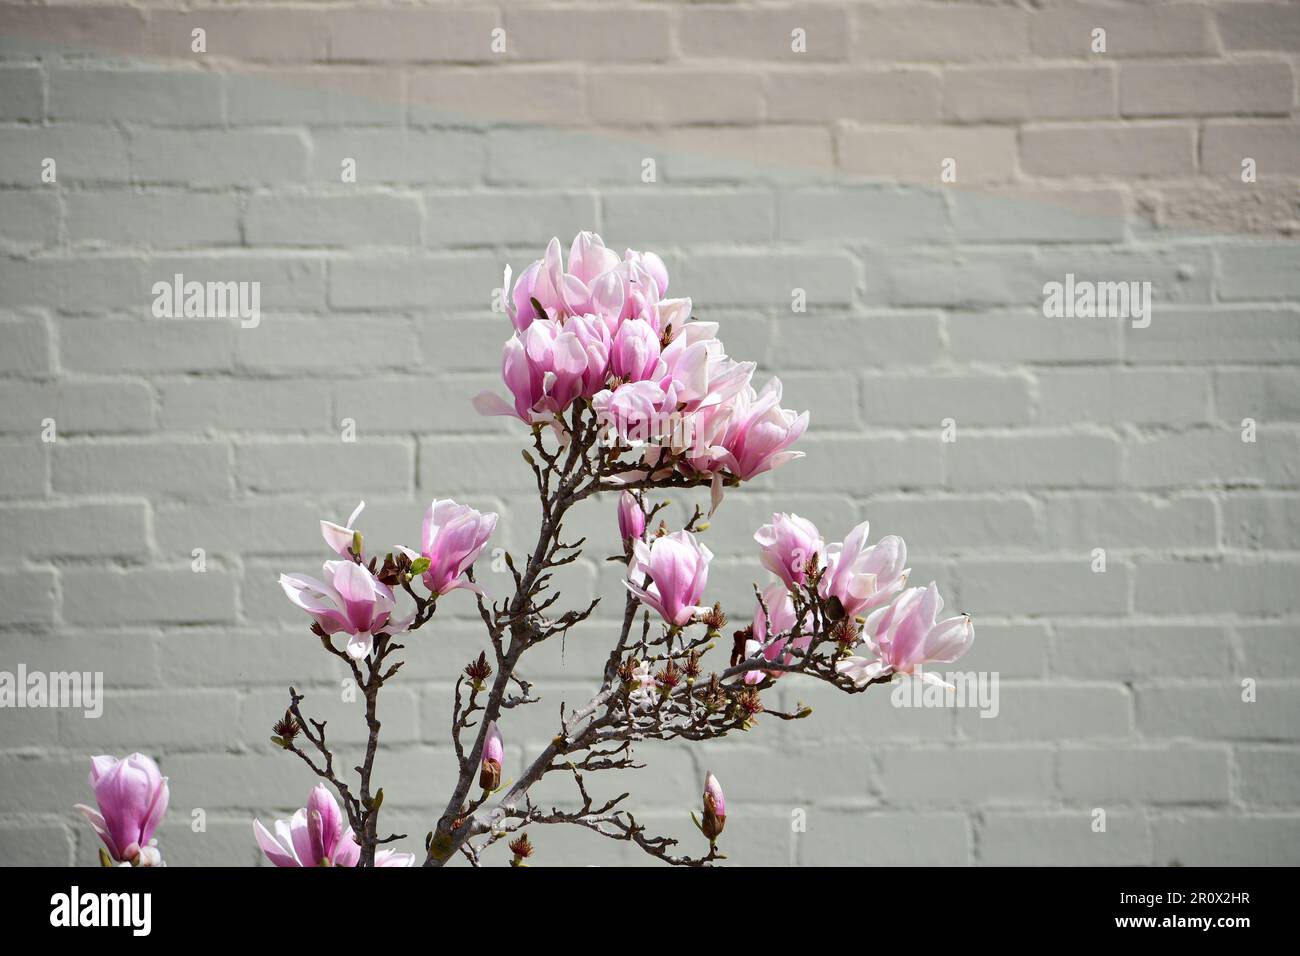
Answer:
(419, 566)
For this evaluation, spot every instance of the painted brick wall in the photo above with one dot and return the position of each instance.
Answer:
(773, 170)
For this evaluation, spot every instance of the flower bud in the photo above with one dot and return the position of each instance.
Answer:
(489, 777)
(715, 808)
(631, 519)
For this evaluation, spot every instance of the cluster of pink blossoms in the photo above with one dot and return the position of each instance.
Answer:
(353, 598)
(601, 329)
(599, 332)
(899, 626)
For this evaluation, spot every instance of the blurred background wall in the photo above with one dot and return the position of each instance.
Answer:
(774, 168)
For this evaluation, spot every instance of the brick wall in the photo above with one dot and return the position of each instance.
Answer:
(774, 170)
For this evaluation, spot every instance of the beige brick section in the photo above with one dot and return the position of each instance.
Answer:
(881, 96)
(1131, 31)
(1275, 147)
(659, 95)
(1259, 26)
(1028, 93)
(385, 34)
(1130, 150)
(1204, 89)
(982, 154)
(244, 34)
(732, 32)
(588, 33)
(940, 33)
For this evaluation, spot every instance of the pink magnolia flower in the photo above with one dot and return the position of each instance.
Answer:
(633, 412)
(452, 538)
(699, 371)
(545, 367)
(557, 291)
(313, 836)
(635, 352)
(678, 567)
(631, 519)
(394, 858)
(759, 432)
(771, 632)
(863, 577)
(340, 538)
(350, 600)
(787, 544)
(593, 335)
(906, 635)
(715, 808)
(132, 796)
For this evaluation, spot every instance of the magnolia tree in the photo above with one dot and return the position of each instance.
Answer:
(625, 395)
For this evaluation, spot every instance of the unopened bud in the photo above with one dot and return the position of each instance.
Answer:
(715, 808)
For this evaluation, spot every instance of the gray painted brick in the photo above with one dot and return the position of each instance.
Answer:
(1108, 396)
(27, 345)
(768, 280)
(669, 215)
(1063, 839)
(1123, 651)
(1255, 522)
(1269, 649)
(77, 407)
(868, 214)
(1254, 272)
(862, 838)
(31, 220)
(106, 597)
(185, 469)
(115, 345)
(190, 405)
(1268, 775)
(1216, 711)
(367, 219)
(81, 154)
(1098, 777)
(1227, 841)
(369, 467)
(459, 219)
(27, 597)
(985, 775)
(23, 469)
(1210, 336)
(407, 157)
(218, 157)
(1043, 586)
(149, 97)
(153, 219)
(416, 282)
(1208, 587)
(1042, 461)
(74, 530)
(1118, 521)
(24, 92)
